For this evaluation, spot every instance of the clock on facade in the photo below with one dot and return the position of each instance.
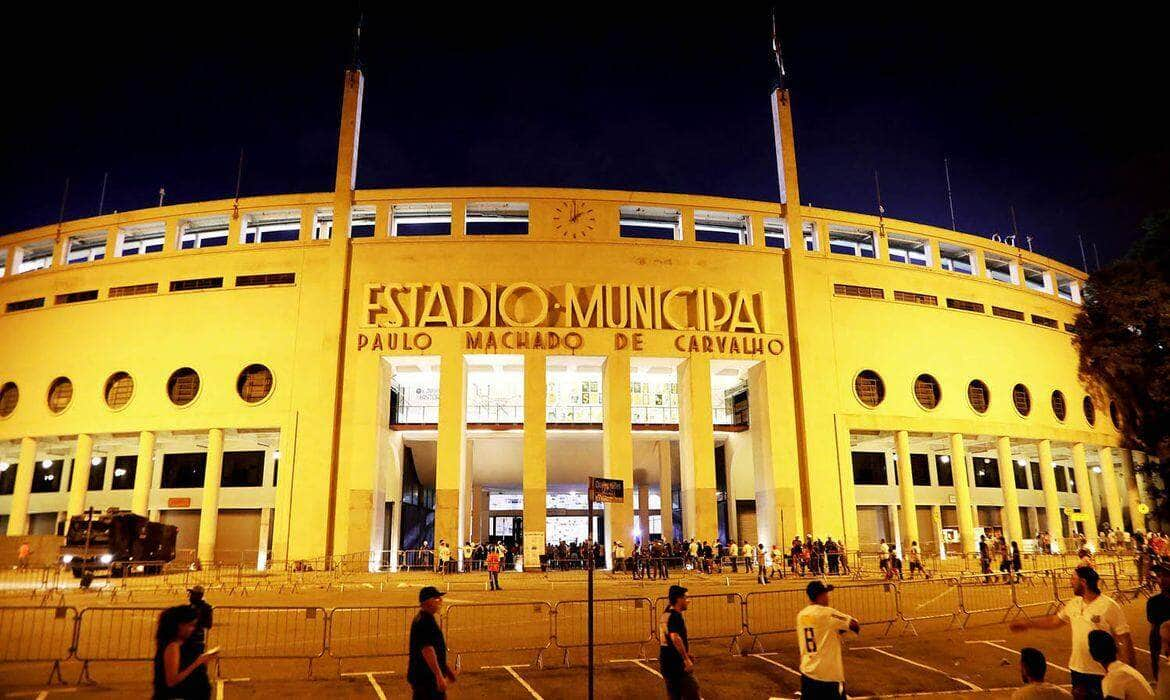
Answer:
(574, 219)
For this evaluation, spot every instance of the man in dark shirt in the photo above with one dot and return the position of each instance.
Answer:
(198, 639)
(674, 654)
(427, 670)
(1157, 612)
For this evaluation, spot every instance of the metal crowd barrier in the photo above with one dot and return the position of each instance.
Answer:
(370, 632)
(714, 616)
(269, 633)
(615, 621)
(34, 634)
(499, 627)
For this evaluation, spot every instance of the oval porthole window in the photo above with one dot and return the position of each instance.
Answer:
(1058, 407)
(60, 394)
(978, 395)
(1090, 410)
(119, 390)
(1114, 416)
(254, 383)
(870, 388)
(1022, 399)
(927, 391)
(183, 386)
(9, 396)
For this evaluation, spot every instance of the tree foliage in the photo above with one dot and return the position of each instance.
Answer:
(1123, 335)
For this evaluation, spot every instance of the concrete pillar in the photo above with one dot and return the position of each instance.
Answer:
(265, 539)
(909, 511)
(963, 507)
(82, 455)
(1137, 460)
(18, 513)
(1051, 499)
(535, 477)
(1011, 497)
(209, 503)
(849, 536)
(665, 489)
(1084, 493)
(617, 450)
(643, 515)
(777, 475)
(143, 473)
(1109, 481)
(451, 449)
(697, 450)
(397, 454)
(936, 522)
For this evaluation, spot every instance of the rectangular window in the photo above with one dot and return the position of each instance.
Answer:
(200, 283)
(942, 465)
(1000, 269)
(1072, 483)
(206, 232)
(1021, 473)
(909, 250)
(361, 222)
(1007, 313)
(271, 227)
(420, 219)
(987, 472)
(853, 290)
(1068, 289)
(3, 262)
(1061, 478)
(1034, 468)
(242, 469)
(869, 469)
(133, 290)
(85, 247)
(650, 222)
(852, 241)
(25, 304)
(125, 468)
(962, 305)
(916, 298)
(775, 232)
(97, 475)
(920, 469)
(7, 478)
(183, 470)
(48, 479)
(722, 227)
(809, 232)
(141, 239)
(1070, 327)
(1037, 279)
(37, 255)
(496, 219)
(1045, 321)
(269, 280)
(74, 297)
(955, 258)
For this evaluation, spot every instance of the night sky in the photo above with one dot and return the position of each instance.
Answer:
(1058, 116)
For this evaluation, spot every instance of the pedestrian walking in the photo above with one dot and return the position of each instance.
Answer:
(675, 662)
(427, 670)
(733, 551)
(915, 559)
(1121, 680)
(202, 617)
(818, 632)
(22, 556)
(1033, 668)
(493, 567)
(1086, 612)
(180, 672)
(761, 564)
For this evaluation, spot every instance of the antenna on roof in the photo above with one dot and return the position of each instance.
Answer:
(162, 192)
(102, 198)
(1096, 255)
(61, 211)
(881, 209)
(239, 179)
(1084, 261)
(1015, 229)
(355, 62)
(950, 199)
(782, 79)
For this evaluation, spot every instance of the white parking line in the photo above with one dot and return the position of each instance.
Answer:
(39, 694)
(763, 657)
(992, 643)
(638, 663)
(960, 681)
(510, 668)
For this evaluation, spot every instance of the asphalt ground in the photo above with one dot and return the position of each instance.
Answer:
(979, 660)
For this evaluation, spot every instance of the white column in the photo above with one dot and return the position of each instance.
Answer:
(209, 505)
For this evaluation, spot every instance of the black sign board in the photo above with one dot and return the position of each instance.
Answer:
(606, 490)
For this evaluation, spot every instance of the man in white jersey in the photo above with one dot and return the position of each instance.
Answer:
(1122, 681)
(1088, 611)
(818, 632)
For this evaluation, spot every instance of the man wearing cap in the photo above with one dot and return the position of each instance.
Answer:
(198, 638)
(1157, 612)
(674, 654)
(427, 671)
(1087, 612)
(818, 632)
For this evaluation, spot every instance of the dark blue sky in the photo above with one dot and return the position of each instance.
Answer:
(1056, 115)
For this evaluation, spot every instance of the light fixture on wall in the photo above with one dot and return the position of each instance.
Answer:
(45, 464)
(1097, 469)
(276, 454)
(95, 461)
(4, 466)
(945, 459)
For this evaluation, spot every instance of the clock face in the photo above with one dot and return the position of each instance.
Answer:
(572, 219)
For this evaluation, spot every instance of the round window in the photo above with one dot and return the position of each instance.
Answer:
(254, 383)
(927, 391)
(1058, 406)
(9, 397)
(870, 388)
(1022, 399)
(978, 395)
(1090, 410)
(183, 386)
(119, 390)
(60, 394)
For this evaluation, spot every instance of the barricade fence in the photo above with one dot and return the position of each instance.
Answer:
(123, 633)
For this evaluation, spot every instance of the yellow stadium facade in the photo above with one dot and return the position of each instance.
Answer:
(455, 363)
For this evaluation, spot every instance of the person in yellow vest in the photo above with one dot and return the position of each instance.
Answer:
(733, 552)
(467, 552)
(493, 567)
(444, 557)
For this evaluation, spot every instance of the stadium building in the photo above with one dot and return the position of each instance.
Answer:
(359, 371)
